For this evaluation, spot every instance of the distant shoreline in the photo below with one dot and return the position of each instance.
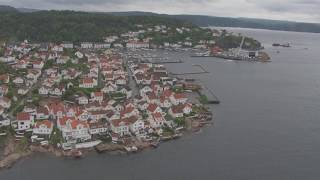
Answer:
(249, 28)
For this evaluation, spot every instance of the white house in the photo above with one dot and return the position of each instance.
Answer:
(41, 113)
(88, 83)
(121, 80)
(102, 45)
(18, 81)
(137, 44)
(98, 128)
(57, 91)
(165, 102)
(97, 96)
(83, 100)
(25, 121)
(136, 124)
(86, 45)
(156, 120)
(5, 102)
(79, 54)
(37, 64)
(73, 129)
(178, 98)
(23, 91)
(176, 111)
(109, 88)
(4, 121)
(43, 128)
(57, 48)
(120, 127)
(43, 90)
(67, 45)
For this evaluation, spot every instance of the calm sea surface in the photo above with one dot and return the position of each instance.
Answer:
(267, 127)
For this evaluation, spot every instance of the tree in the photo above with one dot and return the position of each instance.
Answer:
(56, 137)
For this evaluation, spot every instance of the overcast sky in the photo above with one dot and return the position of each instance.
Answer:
(294, 10)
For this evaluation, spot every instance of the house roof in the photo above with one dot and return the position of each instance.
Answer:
(87, 81)
(63, 120)
(124, 121)
(167, 93)
(47, 123)
(152, 107)
(152, 96)
(177, 109)
(76, 123)
(98, 94)
(56, 107)
(4, 77)
(127, 110)
(158, 117)
(23, 116)
(179, 96)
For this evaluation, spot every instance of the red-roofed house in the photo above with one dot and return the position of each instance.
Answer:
(42, 113)
(120, 127)
(187, 109)
(4, 78)
(97, 96)
(43, 128)
(157, 120)
(83, 100)
(73, 129)
(165, 102)
(56, 109)
(88, 83)
(25, 121)
(178, 98)
(128, 112)
(180, 110)
(151, 98)
(154, 108)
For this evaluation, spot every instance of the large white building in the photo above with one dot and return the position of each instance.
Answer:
(86, 45)
(137, 45)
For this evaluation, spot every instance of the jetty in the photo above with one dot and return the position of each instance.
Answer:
(211, 97)
(203, 71)
(167, 61)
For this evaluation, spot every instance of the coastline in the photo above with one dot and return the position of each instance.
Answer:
(10, 155)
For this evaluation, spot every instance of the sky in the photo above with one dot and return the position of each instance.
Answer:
(292, 10)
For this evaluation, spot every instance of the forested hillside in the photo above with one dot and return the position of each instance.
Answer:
(73, 26)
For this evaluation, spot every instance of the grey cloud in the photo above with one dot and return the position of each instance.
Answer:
(300, 10)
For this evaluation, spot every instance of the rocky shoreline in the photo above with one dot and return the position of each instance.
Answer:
(10, 155)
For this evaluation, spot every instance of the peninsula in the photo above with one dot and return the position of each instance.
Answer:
(75, 90)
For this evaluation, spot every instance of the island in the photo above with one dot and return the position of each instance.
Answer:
(68, 93)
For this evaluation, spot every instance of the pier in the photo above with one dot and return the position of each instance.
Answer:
(212, 98)
(204, 71)
(167, 61)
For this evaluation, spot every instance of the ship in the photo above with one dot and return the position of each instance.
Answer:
(281, 45)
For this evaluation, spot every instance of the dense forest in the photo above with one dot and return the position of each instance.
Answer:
(58, 26)
(73, 26)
